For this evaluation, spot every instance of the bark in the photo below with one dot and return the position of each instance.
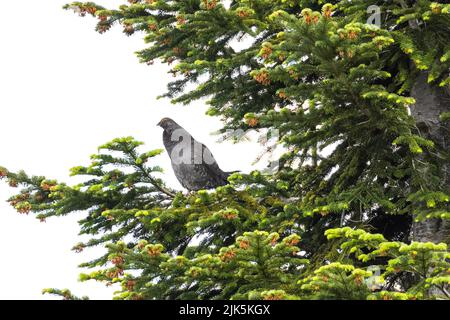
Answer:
(431, 101)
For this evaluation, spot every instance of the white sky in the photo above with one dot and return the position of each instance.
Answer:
(64, 90)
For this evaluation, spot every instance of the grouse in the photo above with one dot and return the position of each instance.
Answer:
(193, 163)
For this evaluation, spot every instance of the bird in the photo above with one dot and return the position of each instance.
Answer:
(192, 161)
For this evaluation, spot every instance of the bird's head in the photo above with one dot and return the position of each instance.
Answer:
(168, 124)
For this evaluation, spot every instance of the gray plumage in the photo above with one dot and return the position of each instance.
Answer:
(192, 162)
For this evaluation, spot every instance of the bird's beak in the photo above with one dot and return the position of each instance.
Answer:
(159, 124)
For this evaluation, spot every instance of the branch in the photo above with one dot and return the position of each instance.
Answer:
(155, 184)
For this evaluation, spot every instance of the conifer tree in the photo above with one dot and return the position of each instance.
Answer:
(359, 206)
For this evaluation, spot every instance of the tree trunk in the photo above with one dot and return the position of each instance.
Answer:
(432, 101)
